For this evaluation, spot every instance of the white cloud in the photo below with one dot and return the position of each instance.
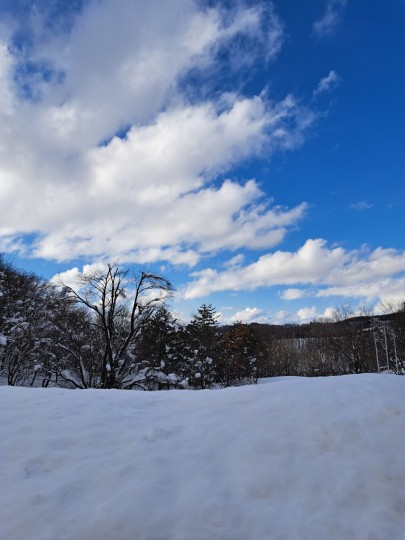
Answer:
(6, 64)
(293, 294)
(301, 316)
(329, 313)
(282, 317)
(235, 261)
(70, 278)
(248, 315)
(389, 289)
(150, 196)
(361, 205)
(73, 276)
(327, 84)
(122, 61)
(152, 190)
(326, 25)
(334, 271)
(307, 314)
(308, 265)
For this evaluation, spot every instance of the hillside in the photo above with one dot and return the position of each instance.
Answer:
(292, 459)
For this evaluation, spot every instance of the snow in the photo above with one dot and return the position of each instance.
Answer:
(297, 459)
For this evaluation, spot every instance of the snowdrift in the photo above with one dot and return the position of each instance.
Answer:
(295, 459)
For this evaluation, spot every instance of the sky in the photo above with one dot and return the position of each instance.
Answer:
(252, 152)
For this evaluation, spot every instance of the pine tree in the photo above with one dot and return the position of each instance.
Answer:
(203, 347)
(243, 355)
(157, 351)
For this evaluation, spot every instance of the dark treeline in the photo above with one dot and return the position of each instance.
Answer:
(115, 331)
(346, 344)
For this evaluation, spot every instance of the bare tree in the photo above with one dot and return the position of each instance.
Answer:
(120, 306)
(389, 337)
(353, 341)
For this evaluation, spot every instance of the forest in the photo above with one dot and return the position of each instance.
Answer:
(116, 331)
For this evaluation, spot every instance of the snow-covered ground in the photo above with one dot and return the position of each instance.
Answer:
(297, 459)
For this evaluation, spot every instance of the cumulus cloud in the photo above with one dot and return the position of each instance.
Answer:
(70, 278)
(327, 84)
(307, 265)
(73, 276)
(330, 271)
(307, 314)
(248, 315)
(102, 154)
(389, 289)
(329, 313)
(302, 315)
(326, 25)
(293, 294)
(148, 197)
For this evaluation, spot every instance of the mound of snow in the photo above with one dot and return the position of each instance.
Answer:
(299, 459)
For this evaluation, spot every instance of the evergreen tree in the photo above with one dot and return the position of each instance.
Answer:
(203, 347)
(157, 351)
(243, 355)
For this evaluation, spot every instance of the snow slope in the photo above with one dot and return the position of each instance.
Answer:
(296, 459)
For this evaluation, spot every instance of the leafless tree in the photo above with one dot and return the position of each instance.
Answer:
(353, 341)
(120, 305)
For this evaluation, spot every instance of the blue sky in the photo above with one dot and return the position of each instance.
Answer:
(253, 152)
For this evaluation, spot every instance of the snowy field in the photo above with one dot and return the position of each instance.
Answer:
(294, 459)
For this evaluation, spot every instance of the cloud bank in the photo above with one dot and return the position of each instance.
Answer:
(377, 274)
(105, 153)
